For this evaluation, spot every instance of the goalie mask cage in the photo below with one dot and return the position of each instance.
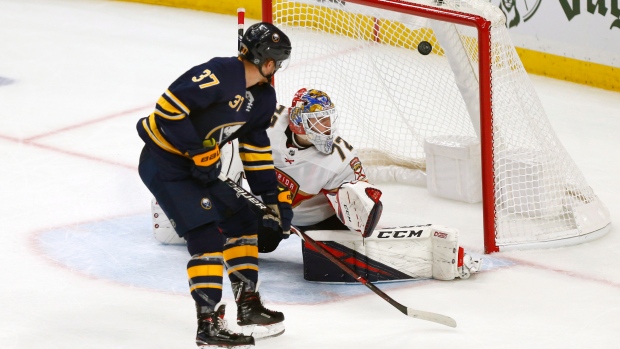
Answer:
(391, 98)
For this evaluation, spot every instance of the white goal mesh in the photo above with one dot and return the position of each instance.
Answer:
(391, 98)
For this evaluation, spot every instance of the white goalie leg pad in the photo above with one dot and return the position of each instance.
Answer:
(418, 251)
(357, 205)
(449, 260)
(407, 249)
(445, 252)
(162, 228)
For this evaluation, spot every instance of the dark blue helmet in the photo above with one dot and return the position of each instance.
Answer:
(264, 41)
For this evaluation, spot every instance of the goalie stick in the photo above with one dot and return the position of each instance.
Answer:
(416, 314)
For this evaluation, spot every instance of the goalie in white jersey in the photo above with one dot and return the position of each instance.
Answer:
(334, 204)
(311, 159)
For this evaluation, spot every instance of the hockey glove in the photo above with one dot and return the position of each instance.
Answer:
(207, 164)
(279, 201)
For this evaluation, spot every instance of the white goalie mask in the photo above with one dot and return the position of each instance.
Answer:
(313, 116)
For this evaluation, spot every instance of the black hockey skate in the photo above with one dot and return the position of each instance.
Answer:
(213, 331)
(251, 313)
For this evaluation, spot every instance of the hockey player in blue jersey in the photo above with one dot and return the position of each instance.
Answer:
(210, 104)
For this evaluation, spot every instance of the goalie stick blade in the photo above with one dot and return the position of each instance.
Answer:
(433, 317)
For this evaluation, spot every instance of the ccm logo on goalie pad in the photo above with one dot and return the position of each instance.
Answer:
(404, 232)
(399, 234)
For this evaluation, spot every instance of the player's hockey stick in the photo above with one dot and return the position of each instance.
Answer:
(416, 314)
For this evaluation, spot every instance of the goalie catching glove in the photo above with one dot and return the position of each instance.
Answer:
(280, 201)
(357, 205)
(207, 163)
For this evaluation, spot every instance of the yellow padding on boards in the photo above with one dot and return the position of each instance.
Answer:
(241, 251)
(205, 270)
(252, 7)
(569, 69)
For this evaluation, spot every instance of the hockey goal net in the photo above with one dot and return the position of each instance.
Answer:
(471, 87)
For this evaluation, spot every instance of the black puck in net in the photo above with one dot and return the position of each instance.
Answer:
(424, 47)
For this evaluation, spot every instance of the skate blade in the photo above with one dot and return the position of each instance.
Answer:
(215, 346)
(263, 332)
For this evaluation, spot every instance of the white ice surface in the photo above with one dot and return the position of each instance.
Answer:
(79, 268)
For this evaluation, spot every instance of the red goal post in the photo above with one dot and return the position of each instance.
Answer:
(471, 87)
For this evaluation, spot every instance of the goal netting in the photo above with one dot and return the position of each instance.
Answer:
(472, 86)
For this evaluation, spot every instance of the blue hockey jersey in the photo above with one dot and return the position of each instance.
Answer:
(211, 101)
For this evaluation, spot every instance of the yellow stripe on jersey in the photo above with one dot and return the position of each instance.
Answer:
(205, 270)
(156, 136)
(260, 156)
(177, 101)
(165, 105)
(255, 157)
(169, 117)
(258, 168)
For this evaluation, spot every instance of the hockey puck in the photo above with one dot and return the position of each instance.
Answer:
(424, 47)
